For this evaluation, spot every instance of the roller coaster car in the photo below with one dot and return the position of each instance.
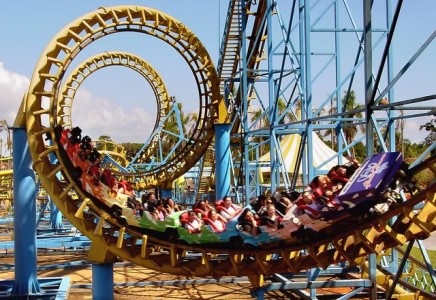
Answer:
(378, 173)
(170, 228)
(71, 144)
(232, 237)
(365, 189)
(207, 234)
(369, 190)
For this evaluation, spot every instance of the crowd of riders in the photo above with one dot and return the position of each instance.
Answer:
(266, 210)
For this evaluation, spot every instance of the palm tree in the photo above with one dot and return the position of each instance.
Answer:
(264, 122)
(188, 122)
(5, 127)
(349, 104)
(330, 131)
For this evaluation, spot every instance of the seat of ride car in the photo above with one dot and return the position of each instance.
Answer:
(219, 206)
(184, 218)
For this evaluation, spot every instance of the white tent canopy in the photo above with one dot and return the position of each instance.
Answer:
(322, 155)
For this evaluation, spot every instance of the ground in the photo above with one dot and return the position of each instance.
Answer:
(150, 284)
(131, 281)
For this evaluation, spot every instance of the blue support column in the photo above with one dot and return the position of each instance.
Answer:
(102, 281)
(55, 216)
(55, 213)
(372, 274)
(222, 158)
(167, 193)
(25, 191)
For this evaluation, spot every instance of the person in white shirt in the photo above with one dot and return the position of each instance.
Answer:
(194, 223)
(217, 222)
(230, 209)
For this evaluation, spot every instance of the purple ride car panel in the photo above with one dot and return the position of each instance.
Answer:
(371, 178)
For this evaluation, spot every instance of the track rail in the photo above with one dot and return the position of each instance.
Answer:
(230, 59)
(112, 240)
(42, 101)
(115, 58)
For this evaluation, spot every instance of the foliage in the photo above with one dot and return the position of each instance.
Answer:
(431, 137)
(105, 138)
(360, 151)
(261, 119)
(417, 254)
(414, 150)
(349, 104)
(131, 149)
(429, 126)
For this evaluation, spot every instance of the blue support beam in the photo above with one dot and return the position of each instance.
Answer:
(25, 191)
(222, 157)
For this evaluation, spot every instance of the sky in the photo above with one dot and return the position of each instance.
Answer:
(116, 101)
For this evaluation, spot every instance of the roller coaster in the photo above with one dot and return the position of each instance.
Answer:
(225, 94)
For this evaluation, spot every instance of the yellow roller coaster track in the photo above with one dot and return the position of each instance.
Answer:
(112, 240)
(6, 174)
(107, 59)
(42, 99)
(114, 150)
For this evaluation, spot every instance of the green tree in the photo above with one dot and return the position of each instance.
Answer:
(330, 132)
(262, 122)
(349, 104)
(105, 138)
(188, 122)
(431, 127)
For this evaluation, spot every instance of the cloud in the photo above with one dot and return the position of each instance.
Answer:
(95, 115)
(98, 116)
(12, 88)
(412, 130)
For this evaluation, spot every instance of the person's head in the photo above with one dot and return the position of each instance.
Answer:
(168, 202)
(307, 197)
(246, 215)
(151, 207)
(227, 201)
(271, 209)
(191, 215)
(151, 197)
(341, 171)
(212, 214)
(249, 215)
(319, 181)
(261, 198)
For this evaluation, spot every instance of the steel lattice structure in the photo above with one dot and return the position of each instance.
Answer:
(289, 64)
